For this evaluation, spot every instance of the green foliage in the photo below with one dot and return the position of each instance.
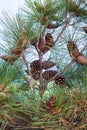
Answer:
(74, 7)
(9, 73)
(21, 102)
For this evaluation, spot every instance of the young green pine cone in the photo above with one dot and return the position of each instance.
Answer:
(73, 50)
(10, 59)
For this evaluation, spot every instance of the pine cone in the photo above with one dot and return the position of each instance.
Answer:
(59, 80)
(16, 51)
(46, 49)
(21, 43)
(44, 20)
(41, 44)
(81, 59)
(47, 64)
(49, 40)
(47, 75)
(85, 29)
(10, 59)
(35, 66)
(52, 26)
(50, 103)
(73, 50)
(35, 75)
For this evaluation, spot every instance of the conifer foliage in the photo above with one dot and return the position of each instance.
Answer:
(44, 46)
(37, 27)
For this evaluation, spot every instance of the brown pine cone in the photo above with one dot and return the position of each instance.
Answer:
(46, 49)
(21, 43)
(35, 75)
(35, 66)
(41, 44)
(73, 50)
(47, 64)
(59, 80)
(47, 75)
(81, 59)
(49, 40)
(51, 103)
(43, 20)
(10, 59)
(52, 26)
(16, 51)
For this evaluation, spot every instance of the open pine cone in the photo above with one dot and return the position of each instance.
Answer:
(51, 103)
(59, 80)
(35, 66)
(49, 40)
(35, 75)
(47, 64)
(47, 75)
(41, 44)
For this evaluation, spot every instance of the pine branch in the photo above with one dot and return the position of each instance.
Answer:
(73, 61)
(65, 26)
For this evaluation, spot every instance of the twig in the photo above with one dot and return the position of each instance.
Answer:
(25, 61)
(64, 27)
(64, 70)
(41, 78)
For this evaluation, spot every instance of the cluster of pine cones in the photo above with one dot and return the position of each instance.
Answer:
(47, 75)
(16, 51)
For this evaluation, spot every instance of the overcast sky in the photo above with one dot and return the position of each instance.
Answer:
(10, 6)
